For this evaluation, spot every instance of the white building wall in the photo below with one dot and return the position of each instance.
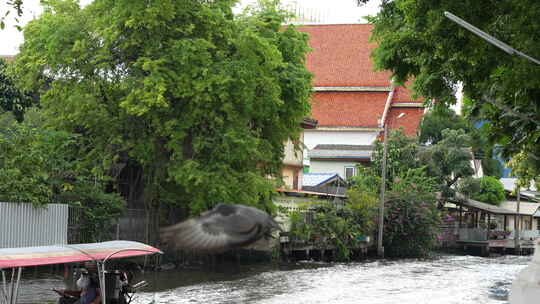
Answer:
(317, 137)
(319, 166)
(292, 157)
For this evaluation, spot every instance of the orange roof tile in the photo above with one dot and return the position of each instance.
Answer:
(409, 122)
(348, 109)
(340, 57)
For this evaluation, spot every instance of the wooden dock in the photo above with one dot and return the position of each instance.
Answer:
(500, 246)
(319, 250)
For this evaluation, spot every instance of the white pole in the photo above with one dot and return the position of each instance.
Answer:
(518, 222)
(380, 248)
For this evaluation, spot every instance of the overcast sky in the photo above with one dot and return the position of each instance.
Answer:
(325, 11)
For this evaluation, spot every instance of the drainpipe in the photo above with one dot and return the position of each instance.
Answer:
(387, 106)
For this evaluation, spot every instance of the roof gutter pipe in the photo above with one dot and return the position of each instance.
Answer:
(387, 105)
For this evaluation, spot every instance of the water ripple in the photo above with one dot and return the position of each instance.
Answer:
(444, 280)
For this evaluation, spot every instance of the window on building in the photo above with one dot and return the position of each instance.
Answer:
(350, 172)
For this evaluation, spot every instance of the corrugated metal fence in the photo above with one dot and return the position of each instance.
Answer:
(22, 225)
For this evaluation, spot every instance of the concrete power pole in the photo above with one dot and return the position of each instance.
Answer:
(380, 248)
(517, 244)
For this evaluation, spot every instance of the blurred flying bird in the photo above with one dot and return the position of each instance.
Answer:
(222, 228)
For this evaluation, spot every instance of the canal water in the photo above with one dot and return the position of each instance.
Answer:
(446, 279)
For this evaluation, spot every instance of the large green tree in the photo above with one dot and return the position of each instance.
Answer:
(196, 100)
(416, 40)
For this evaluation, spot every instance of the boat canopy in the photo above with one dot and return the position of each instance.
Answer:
(71, 253)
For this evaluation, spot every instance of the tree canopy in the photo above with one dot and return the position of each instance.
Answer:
(449, 160)
(199, 99)
(438, 119)
(416, 40)
(11, 98)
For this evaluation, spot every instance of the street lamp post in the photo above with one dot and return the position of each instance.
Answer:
(517, 223)
(503, 46)
(380, 247)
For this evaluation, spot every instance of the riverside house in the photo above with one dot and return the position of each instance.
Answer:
(351, 102)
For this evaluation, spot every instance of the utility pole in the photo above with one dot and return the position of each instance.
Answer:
(517, 244)
(380, 248)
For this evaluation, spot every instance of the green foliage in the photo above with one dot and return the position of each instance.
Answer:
(326, 225)
(468, 186)
(415, 175)
(402, 155)
(41, 166)
(363, 207)
(415, 40)
(201, 99)
(448, 160)
(366, 180)
(491, 191)
(412, 219)
(527, 168)
(492, 167)
(11, 98)
(440, 118)
(31, 161)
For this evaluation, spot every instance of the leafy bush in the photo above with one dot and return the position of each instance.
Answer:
(335, 226)
(412, 219)
(491, 191)
(41, 166)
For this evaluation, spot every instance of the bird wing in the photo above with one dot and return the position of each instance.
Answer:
(212, 232)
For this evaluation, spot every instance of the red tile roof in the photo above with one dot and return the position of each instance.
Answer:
(349, 109)
(402, 94)
(409, 122)
(340, 57)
